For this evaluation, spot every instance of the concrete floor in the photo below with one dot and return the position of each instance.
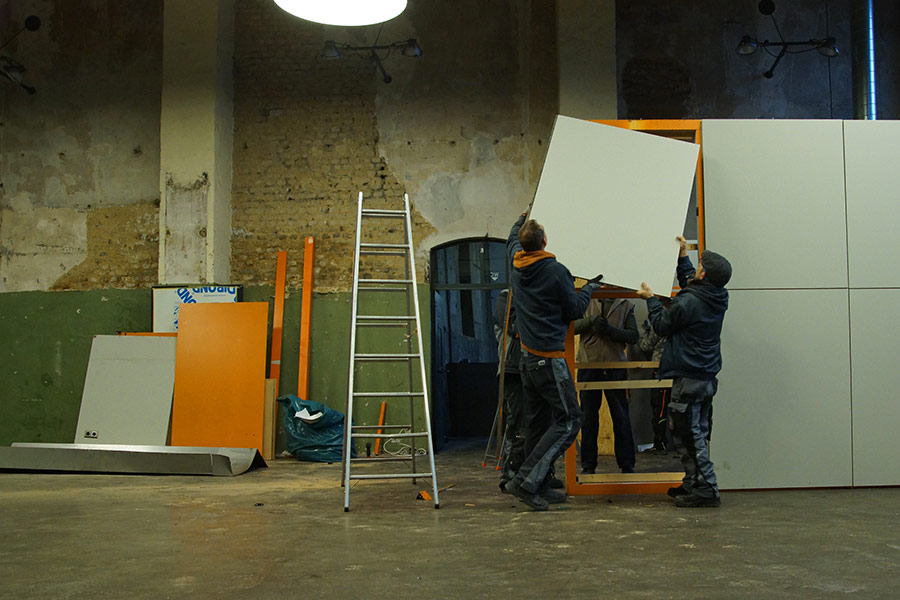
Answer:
(281, 532)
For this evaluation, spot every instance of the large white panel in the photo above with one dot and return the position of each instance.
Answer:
(774, 201)
(782, 412)
(872, 156)
(128, 388)
(876, 379)
(613, 200)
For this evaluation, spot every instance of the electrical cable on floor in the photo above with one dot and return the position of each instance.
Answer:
(402, 449)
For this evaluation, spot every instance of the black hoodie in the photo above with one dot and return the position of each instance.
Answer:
(693, 324)
(544, 297)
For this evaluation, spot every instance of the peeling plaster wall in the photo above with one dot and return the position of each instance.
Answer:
(88, 140)
(463, 130)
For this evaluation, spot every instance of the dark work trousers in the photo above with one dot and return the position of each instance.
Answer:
(659, 415)
(512, 451)
(553, 418)
(689, 418)
(617, 400)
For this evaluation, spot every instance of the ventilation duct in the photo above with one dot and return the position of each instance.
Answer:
(862, 39)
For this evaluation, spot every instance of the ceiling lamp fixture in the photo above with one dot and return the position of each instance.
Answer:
(410, 48)
(749, 45)
(344, 12)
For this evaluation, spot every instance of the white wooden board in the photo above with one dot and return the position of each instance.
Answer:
(774, 201)
(872, 155)
(612, 201)
(781, 417)
(128, 388)
(876, 379)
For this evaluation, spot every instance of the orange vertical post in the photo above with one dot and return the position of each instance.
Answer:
(305, 319)
(380, 422)
(278, 319)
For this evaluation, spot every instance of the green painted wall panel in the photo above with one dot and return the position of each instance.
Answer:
(47, 342)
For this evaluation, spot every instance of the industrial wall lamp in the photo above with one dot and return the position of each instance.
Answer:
(749, 45)
(408, 48)
(10, 67)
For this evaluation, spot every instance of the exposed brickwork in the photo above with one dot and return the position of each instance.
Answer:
(123, 249)
(305, 146)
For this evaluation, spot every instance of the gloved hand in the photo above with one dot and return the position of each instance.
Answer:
(596, 279)
(599, 324)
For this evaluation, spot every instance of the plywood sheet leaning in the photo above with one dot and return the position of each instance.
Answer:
(613, 200)
(220, 373)
(127, 397)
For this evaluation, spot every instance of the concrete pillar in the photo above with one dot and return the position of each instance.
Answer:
(196, 131)
(586, 41)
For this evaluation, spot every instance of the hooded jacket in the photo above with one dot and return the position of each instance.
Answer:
(544, 297)
(693, 324)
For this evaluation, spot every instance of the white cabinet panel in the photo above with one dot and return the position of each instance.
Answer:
(774, 201)
(613, 200)
(872, 157)
(127, 396)
(876, 381)
(781, 417)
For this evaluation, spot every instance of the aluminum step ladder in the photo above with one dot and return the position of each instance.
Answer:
(386, 288)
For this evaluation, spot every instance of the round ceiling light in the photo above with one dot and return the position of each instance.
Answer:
(344, 12)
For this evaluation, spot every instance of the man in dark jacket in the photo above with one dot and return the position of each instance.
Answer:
(512, 451)
(692, 357)
(545, 301)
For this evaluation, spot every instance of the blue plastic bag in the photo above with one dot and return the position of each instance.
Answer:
(314, 438)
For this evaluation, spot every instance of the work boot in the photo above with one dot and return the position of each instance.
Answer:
(554, 496)
(695, 501)
(532, 500)
(675, 492)
(588, 470)
(553, 482)
(503, 486)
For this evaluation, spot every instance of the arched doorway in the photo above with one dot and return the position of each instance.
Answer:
(466, 278)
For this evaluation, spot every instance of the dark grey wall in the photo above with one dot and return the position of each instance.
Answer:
(677, 59)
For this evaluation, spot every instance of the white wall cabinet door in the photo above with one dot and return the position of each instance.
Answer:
(781, 417)
(876, 381)
(774, 202)
(872, 150)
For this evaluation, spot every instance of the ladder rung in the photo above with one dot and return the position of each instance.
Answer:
(385, 280)
(390, 435)
(385, 317)
(383, 212)
(383, 289)
(355, 427)
(370, 245)
(387, 394)
(392, 476)
(385, 356)
(383, 253)
(372, 459)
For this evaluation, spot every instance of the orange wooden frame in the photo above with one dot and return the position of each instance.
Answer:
(689, 130)
(278, 319)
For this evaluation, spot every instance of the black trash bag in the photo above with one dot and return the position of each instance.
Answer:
(317, 435)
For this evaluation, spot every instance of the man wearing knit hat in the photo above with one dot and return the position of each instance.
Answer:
(692, 357)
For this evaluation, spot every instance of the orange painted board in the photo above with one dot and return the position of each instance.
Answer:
(305, 319)
(278, 318)
(220, 375)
